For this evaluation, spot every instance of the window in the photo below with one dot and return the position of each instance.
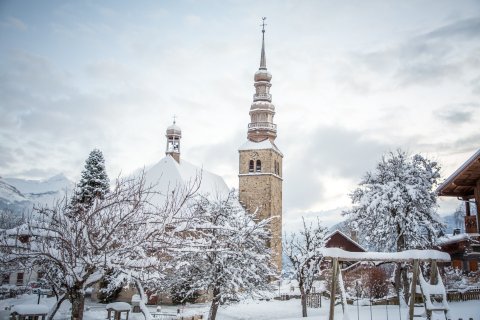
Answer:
(259, 166)
(20, 279)
(5, 278)
(250, 166)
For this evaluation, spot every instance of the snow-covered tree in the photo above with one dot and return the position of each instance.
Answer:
(120, 231)
(94, 182)
(224, 252)
(459, 217)
(394, 207)
(302, 251)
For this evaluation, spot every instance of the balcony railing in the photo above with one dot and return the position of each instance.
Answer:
(262, 96)
(262, 125)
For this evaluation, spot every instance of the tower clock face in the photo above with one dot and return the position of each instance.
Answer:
(254, 154)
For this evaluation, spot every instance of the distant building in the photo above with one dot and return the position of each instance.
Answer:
(260, 161)
(172, 171)
(464, 184)
(338, 239)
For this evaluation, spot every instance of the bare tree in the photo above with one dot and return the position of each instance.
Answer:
(302, 251)
(120, 231)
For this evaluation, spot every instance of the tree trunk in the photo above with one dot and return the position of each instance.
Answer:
(77, 299)
(401, 279)
(303, 297)
(143, 300)
(56, 306)
(212, 314)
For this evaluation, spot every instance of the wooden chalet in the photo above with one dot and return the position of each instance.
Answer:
(464, 184)
(338, 239)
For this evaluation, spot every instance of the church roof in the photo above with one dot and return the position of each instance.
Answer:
(262, 145)
(167, 175)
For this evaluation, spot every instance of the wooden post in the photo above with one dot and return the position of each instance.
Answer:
(433, 272)
(476, 192)
(333, 288)
(413, 288)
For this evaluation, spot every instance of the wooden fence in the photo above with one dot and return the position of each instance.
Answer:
(471, 294)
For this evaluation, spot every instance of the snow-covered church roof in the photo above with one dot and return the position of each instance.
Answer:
(168, 174)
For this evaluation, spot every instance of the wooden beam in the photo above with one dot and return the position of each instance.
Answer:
(433, 272)
(333, 288)
(464, 183)
(413, 289)
(477, 202)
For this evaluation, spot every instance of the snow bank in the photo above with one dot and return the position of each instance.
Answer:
(26, 309)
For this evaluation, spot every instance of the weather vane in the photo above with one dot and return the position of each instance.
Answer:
(263, 24)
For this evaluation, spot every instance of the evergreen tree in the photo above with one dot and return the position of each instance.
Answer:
(94, 182)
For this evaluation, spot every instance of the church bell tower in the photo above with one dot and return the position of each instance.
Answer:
(173, 135)
(260, 161)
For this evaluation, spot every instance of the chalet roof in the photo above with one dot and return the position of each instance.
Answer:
(462, 182)
(450, 239)
(347, 238)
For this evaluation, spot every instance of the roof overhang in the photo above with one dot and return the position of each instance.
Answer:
(462, 182)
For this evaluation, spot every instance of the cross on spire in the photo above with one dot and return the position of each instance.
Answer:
(263, 24)
(263, 60)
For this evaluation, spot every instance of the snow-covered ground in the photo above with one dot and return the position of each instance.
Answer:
(265, 310)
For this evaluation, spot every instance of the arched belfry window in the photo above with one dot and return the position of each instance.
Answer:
(259, 166)
(251, 166)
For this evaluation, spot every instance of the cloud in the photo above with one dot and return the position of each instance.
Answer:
(14, 23)
(475, 83)
(193, 20)
(458, 113)
(327, 152)
(467, 29)
(445, 53)
(294, 223)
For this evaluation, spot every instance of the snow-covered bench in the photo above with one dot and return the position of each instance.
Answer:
(29, 311)
(117, 308)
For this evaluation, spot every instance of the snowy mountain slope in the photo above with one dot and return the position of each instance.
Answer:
(19, 194)
(11, 198)
(55, 183)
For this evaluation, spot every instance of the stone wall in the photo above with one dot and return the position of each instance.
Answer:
(262, 191)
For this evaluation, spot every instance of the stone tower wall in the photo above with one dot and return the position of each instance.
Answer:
(262, 191)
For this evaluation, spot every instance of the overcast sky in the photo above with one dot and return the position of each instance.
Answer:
(351, 80)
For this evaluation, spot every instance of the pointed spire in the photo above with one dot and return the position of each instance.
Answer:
(263, 60)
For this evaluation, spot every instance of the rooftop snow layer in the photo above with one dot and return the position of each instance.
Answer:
(262, 145)
(408, 255)
(448, 239)
(168, 174)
